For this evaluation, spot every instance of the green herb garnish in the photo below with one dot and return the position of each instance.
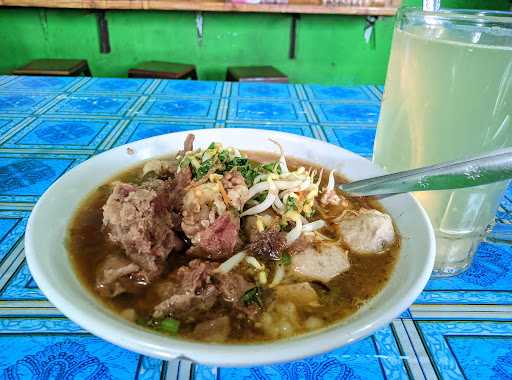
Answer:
(168, 326)
(236, 162)
(184, 162)
(211, 146)
(248, 173)
(243, 165)
(203, 169)
(272, 167)
(291, 203)
(261, 196)
(223, 155)
(286, 259)
(252, 296)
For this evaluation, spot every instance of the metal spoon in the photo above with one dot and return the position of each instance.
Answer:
(473, 171)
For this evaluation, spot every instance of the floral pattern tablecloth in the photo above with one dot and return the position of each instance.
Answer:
(458, 328)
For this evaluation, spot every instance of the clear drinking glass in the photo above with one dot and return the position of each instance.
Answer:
(448, 95)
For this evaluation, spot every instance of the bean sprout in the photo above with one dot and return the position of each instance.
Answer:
(278, 276)
(282, 159)
(280, 185)
(254, 263)
(294, 234)
(269, 200)
(330, 183)
(278, 203)
(313, 226)
(231, 263)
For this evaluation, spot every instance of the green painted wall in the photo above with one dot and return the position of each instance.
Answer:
(330, 49)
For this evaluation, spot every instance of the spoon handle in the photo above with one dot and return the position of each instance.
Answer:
(473, 171)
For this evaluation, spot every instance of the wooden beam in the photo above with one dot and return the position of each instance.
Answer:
(101, 19)
(293, 37)
(183, 5)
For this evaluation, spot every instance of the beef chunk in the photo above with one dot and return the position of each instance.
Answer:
(217, 242)
(194, 294)
(236, 189)
(187, 306)
(138, 219)
(178, 188)
(189, 143)
(114, 276)
(232, 286)
(202, 204)
(197, 289)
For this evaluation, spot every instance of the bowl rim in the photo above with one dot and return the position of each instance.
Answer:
(111, 328)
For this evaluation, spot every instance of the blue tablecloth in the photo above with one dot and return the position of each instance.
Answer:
(458, 327)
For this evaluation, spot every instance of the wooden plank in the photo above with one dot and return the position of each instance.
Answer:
(180, 5)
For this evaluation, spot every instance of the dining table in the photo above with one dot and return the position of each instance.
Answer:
(458, 328)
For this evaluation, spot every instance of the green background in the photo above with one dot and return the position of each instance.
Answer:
(330, 48)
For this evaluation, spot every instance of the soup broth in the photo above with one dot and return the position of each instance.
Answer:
(263, 312)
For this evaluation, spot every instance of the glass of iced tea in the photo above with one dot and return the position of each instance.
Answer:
(448, 95)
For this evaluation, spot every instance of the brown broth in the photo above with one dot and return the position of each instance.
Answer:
(88, 244)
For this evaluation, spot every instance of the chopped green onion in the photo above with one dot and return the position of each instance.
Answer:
(261, 196)
(240, 161)
(249, 174)
(269, 166)
(184, 162)
(223, 155)
(203, 169)
(169, 326)
(291, 203)
(211, 146)
(252, 296)
(286, 259)
(272, 167)
(310, 213)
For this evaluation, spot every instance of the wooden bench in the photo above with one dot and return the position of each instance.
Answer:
(255, 74)
(55, 67)
(163, 70)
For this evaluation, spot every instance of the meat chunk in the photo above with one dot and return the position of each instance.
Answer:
(268, 244)
(194, 294)
(202, 205)
(158, 167)
(236, 189)
(301, 294)
(179, 186)
(232, 286)
(219, 240)
(215, 330)
(367, 231)
(197, 289)
(189, 142)
(187, 306)
(140, 222)
(109, 275)
(322, 264)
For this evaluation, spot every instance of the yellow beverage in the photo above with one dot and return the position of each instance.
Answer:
(448, 95)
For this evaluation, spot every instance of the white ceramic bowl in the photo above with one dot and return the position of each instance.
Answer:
(51, 267)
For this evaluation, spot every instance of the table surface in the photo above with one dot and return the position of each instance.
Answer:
(458, 328)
